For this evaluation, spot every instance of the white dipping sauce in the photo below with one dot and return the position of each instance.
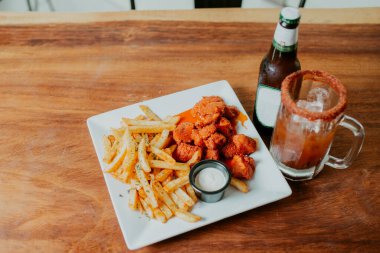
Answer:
(210, 179)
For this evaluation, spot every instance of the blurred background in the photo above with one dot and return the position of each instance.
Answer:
(123, 5)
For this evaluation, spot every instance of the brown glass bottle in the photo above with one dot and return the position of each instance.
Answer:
(280, 61)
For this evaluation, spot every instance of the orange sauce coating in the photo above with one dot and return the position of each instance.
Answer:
(187, 117)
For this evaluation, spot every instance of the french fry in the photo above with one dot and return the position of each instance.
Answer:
(151, 156)
(240, 185)
(164, 196)
(166, 210)
(118, 132)
(132, 201)
(137, 122)
(151, 129)
(180, 204)
(149, 113)
(121, 156)
(142, 155)
(111, 139)
(148, 190)
(159, 215)
(107, 157)
(184, 197)
(150, 137)
(139, 206)
(164, 156)
(172, 119)
(163, 174)
(137, 184)
(176, 183)
(156, 171)
(186, 216)
(167, 180)
(134, 122)
(142, 193)
(140, 117)
(107, 143)
(154, 140)
(130, 157)
(170, 149)
(166, 165)
(182, 173)
(137, 137)
(147, 208)
(191, 192)
(162, 140)
(195, 158)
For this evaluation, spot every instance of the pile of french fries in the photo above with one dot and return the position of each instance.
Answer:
(138, 153)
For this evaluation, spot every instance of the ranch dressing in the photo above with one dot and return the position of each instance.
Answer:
(210, 179)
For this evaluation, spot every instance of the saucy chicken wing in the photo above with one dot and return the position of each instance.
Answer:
(182, 133)
(212, 154)
(184, 152)
(225, 127)
(197, 138)
(242, 166)
(231, 112)
(207, 131)
(208, 110)
(215, 141)
(240, 144)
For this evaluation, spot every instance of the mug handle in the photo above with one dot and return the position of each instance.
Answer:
(358, 130)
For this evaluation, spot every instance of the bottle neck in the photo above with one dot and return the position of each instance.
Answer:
(275, 54)
(285, 39)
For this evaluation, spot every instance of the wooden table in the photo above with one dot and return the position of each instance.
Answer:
(59, 69)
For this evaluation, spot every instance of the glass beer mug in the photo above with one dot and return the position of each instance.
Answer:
(312, 106)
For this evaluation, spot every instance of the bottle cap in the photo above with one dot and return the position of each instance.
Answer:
(290, 15)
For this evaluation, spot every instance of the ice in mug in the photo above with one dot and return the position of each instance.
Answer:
(312, 106)
(299, 143)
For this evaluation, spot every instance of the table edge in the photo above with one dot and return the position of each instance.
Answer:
(309, 16)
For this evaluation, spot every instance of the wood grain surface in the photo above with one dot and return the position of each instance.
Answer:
(53, 76)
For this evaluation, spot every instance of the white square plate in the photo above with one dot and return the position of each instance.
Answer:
(268, 184)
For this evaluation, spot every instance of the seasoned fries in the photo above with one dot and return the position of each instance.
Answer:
(180, 204)
(136, 122)
(172, 119)
(163, 155)
(110, 148)
(240, 185)
(176, 183)
(195, 158)
(166, 210)
(118, 160)
(149, 113)
(148, 190)
(166, 165)
(191, 192)
(130, 157)
(163, 175)
(133, 199)
(142, 155)
(151, 129)
(139, 153)
(162, 140)
(184, 197)
(186, 216)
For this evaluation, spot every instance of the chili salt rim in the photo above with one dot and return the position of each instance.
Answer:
(315, 75)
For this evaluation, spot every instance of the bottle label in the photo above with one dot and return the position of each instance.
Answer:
(285, 40)
(267, 104)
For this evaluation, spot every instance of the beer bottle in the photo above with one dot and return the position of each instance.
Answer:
(280, 61)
